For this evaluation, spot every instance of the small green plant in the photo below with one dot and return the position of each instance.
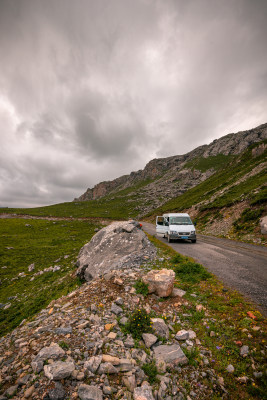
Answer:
(141, 287)
(139, 322)
(63, 345)
(150, 369)
(192, 355)
(177, 259)
(191, 272)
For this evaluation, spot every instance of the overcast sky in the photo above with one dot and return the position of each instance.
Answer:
(93, 89)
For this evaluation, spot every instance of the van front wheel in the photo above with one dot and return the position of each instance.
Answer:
(194, 240)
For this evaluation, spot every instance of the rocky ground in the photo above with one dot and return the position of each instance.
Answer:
(79, 347)
(75, 348)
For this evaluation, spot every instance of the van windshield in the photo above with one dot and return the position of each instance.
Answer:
(180, 221)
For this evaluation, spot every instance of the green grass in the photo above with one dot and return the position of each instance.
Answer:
(44, 243)
(248, 220)
(116, 206)
(191, 272)
(215, 162)
(141, 288)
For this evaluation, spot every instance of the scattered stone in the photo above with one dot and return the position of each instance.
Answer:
(28, 393)
(116, 309)
(149, 339)
(143, 393)
(59, 370)
(171, 354)
(182, 335)
(87, 392)
(31, 267)
(11, 390)
(54, 351)
(244, 351)
(178, 292)
(160, 328)
(160, 281)
(57, 393)
(93, 363)
(230, 368)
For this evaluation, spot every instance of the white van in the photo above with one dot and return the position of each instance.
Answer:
(176, 226)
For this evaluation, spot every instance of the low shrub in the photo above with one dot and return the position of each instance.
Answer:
(141, 287)
(139, 322)
(191, 272)
(151, 371)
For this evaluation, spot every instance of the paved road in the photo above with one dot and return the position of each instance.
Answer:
(239, 265)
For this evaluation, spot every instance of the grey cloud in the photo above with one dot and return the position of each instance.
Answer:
(91, 90)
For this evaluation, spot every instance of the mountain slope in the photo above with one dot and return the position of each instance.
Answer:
(166, 178)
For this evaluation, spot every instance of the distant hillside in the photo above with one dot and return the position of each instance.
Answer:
(166, 178)
(221, 185)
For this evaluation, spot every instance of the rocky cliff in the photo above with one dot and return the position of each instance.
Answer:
(170, 177)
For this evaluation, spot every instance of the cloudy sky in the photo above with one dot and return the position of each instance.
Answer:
(93, 89)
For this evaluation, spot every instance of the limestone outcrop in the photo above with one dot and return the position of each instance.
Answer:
(118, 245)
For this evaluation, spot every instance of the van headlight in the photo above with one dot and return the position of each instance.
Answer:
(173, 232)
(193, 232)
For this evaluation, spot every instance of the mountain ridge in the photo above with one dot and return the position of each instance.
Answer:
(229, 145)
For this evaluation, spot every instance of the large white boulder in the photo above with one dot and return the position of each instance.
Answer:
(118, 245)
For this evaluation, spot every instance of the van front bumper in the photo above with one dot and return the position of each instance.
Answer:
(182, 235)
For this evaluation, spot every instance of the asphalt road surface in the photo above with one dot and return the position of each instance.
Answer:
(240, 266)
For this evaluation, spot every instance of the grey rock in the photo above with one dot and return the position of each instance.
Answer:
(129, 342)
(115, 309)
(263, 225)
(59, 370)
(129, 382)
(182, 335)
(31, 267)
(57, 393)
(143, 393)
(170, 354)
(257, 374)
(93, 363)
(89, 392)
(37, 366)
(161, 329)
(119, 301)
(230, 368)
(244, 351)
(54, 351)
(178, 292)
(107, 368)
(125, 365)
(11, 390)
(63, 330)
(123, 320)
(149, 339)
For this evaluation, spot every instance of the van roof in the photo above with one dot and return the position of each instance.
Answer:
(176, 215)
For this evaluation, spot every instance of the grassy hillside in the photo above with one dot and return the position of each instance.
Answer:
(118, 206)
(46, 244)
(211, 194)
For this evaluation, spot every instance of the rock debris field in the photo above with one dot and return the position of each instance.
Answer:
(77, 347)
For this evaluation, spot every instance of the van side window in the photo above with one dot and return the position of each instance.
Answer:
(160, 221)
